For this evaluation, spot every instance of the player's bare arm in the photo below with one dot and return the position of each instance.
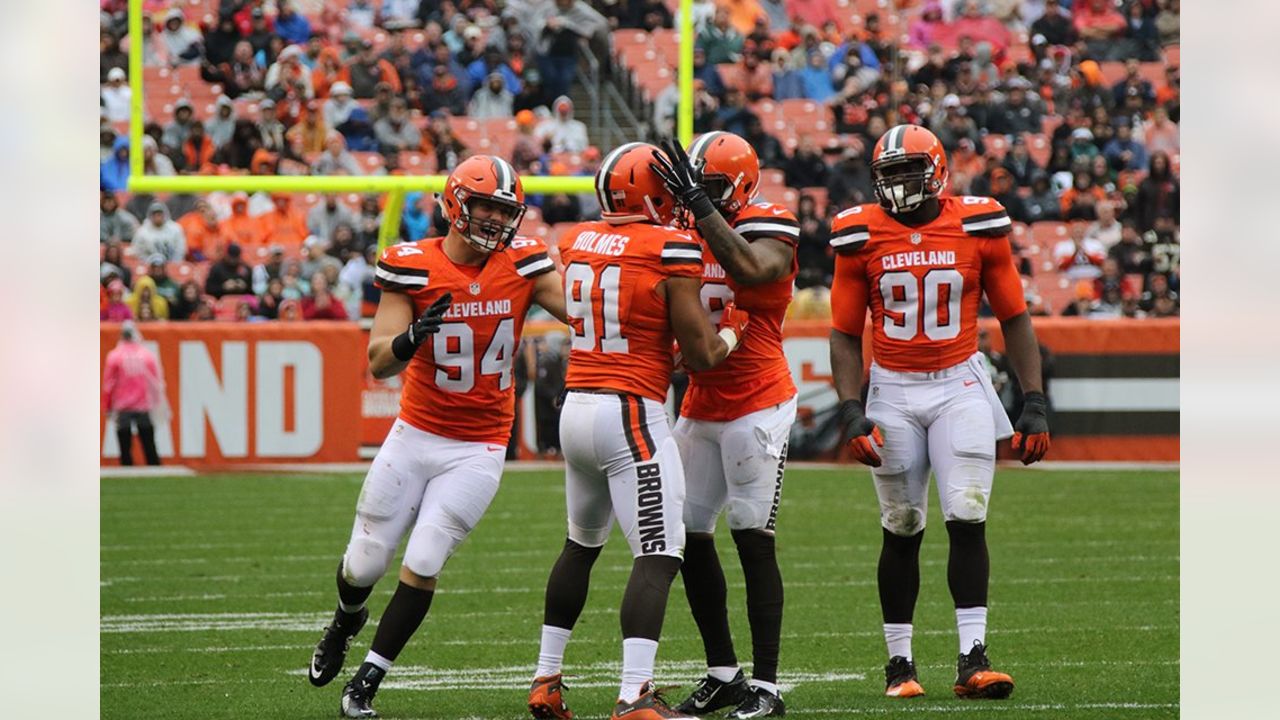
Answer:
(700, 344)
(548, 292)
(762, 261)
(396, 334)
(1031, 432)
(846, 365)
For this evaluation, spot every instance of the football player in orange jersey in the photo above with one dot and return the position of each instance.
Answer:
(736, 418)
(921, 263)
(631, 284)
(450, 318)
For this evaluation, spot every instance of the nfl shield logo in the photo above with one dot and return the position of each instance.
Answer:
(915, 238)
(475, 288)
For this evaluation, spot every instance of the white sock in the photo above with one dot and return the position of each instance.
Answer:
(638, 657)
(898, 637)
(772, 688)
(972, 624)
(551, 653)
(723, 673)
(378, 660)
(349, 609)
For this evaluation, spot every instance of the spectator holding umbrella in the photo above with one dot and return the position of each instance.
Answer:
(132, 389)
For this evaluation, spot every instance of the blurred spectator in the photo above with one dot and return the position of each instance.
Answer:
(345, 243)
(1019, 163)
(732, 115)
(1055, 25)
(325, 73)
(482, 70)
(270, 299)
(965, 165)
(1106, 229)
(339, 105)
(720, 40)
(115, 310)
(755, 79)
(366, 70)
(188, 300)
(813, 255)
(164, 285)
(271, 269)
(998, 184)
(1141, 36)
(309, 135)
(1159, 300)
(220, 42)
(1079, 257)
(447, 148)
(145, 301)
(1080, 201)
(973, 21)
(336, 159)
(160, 236)
(1168, 21)
(396, 132)
(768, 149)
(1158, 195)
(492, 99)
(559, 27)
(565, 133)
(929, 28)
(115, 224)
(153, 161)
(229, 275)
(1161, 134)
(285, 224)
(325, 216)
(1123, 152)
(196, 155)
(528, 148)
(256, 28)
(181, 43)
(242, 74)
(532, 93)
(815, 78)
(291, 310)
(955, 124)
(1085, 302)
(1099, 24)
(850, 181)
(132, 388)
(315, 259)
(1132, 253)
(445, 93)
(1020, 112)
(116, 96)
(113, 174)
(110, 56)
(291, 26)
(321, 304)
(240, 227)
(219, 127)
(806, 168)
(415, 222)
(271, 130)
(289, 72)
(203, 231)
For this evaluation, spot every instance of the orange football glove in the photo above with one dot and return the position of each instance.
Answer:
(860, 434)
(1031, 432)
(733, 319)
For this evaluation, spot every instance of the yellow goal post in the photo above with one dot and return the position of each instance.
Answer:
(394, 186)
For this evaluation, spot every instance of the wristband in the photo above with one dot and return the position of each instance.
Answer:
(729, 337)
(403, 348)
(1035, 397)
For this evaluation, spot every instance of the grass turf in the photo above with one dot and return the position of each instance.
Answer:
(215, 588)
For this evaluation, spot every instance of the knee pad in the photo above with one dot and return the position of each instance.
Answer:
(902, 519)
(589, 538)
(428, 550)
(365, 561)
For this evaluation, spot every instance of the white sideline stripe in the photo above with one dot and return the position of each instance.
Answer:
(135, 471)
(981, 708)
(1114, 394)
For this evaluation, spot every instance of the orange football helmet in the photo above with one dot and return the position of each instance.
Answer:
(490, 179)
(730, 170)
(908, 166)
(630, 191)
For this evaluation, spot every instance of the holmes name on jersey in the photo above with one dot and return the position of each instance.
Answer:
(915, 258)
(479, 308)
(601, 243)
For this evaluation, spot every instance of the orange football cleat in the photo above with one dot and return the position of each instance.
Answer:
(900, 679)
(649, 706)
(546, 701)
(975, 678)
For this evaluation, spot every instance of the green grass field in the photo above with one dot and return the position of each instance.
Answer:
(215, 588)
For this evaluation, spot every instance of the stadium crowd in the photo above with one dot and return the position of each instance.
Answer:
(1064, 111)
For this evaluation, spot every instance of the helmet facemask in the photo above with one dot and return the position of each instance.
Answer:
(498, 226)
(903, 183)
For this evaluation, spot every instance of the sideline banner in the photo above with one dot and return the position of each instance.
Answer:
(252, 393)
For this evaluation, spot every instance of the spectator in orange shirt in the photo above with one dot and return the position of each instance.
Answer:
(752, 77)
(1080, 200)
(241, 227)
(966, 164)
(309, 135)
(205, 238)
(1099, 25)
(743, 14)
(364, 71)
(197, 152)
(284, 225)
(325, 73)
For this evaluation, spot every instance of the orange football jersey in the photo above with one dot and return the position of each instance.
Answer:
(756, 374)
(459, 384)
(621, 328)
(923, 284)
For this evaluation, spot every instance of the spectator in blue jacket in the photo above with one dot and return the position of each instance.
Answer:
(816, 79)
(113, 175)
(491, 63)
(291, 26)
(1123, 152)
(865, 52)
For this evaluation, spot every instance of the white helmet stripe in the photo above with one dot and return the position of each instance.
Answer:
(699, 147)
(506, 175)
(602, 175)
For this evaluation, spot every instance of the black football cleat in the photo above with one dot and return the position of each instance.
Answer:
(760, 703)
(900, 679)
(331, 651)
(357, 696)
(712, 695)
(976, 679)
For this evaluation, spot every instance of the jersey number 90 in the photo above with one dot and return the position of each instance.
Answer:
(932, 301)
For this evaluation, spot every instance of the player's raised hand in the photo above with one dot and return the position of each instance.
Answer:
(733, 320)
(429, 324)
(859, 433)
(1031, 432)
(682, 179)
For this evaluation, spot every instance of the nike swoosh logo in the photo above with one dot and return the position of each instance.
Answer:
(967, 383)
(497, 448)
(315, 672)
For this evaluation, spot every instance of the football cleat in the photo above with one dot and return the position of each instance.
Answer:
(331, 651)
(759, 703)
(546, 701)
(649, 706)
(900, 679)
(712, 694)
(357, 696)
(976, 679)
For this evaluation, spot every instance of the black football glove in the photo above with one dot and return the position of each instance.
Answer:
(859, 433)
(406, 344)
(682, 179)
(1031, 432)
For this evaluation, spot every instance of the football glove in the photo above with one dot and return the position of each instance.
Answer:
(860, 434)
(1031, 432)
(682, 179)
(406, 344)
(733, 324)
